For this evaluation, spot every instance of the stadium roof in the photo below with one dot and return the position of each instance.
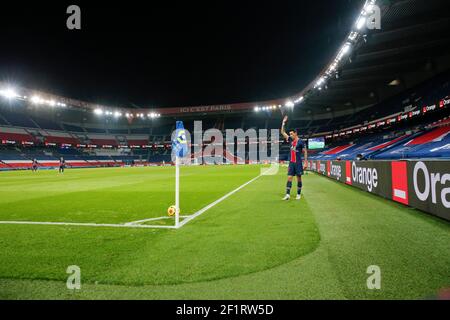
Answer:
(412, 46)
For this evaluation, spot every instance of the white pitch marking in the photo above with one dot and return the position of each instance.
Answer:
(80, 224)
(209, 206)
(150, 219)
(135, 224)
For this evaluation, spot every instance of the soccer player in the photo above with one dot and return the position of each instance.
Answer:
(296, 166)
(34, 165)
(62, 165)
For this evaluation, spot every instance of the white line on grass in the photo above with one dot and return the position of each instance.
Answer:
(209, 206)
(81, 224)
(136, 224)
(150, 219)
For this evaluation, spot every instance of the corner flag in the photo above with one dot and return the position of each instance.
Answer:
(179, 143)
(179, 150)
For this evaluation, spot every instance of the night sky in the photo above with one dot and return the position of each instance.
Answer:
(172, 53)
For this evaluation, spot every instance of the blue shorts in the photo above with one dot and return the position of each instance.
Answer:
(295, 169)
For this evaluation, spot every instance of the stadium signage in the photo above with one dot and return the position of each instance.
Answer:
(431, 180)
(393, 120)
(429, 108)
(414, 113)
(424, 185)
(444, 102)
(336, 171)
(365, 176)
(205, 109)
(322, 168)
(430, 187)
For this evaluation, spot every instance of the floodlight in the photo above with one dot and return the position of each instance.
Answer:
(360, 23)
(289, 104)
(36, 100)
(346, 48)
(9, 93)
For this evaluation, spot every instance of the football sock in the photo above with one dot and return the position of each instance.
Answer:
(288, 187)
(299, 187)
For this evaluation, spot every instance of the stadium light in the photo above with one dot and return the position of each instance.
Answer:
(98, 111)
(360, 23)
(300, 99)
(290, 104)
(346, 48)
(320, 81)
(9, 93)
(36, 100)
(353, 35)
(117, 114)
(154, 115)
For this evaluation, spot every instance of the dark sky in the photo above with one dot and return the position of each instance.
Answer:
(172, 53)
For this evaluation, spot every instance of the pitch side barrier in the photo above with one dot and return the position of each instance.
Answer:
(424, 185)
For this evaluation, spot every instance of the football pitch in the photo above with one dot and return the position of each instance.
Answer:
(249, 245)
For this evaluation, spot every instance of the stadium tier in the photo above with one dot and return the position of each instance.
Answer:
(404, 133)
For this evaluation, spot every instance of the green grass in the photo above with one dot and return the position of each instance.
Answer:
(250, 246)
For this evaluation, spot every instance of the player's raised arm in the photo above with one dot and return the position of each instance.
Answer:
(283, 131)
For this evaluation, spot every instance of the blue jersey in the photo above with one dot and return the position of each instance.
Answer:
(295, 155)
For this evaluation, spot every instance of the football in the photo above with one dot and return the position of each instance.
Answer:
(171, 211)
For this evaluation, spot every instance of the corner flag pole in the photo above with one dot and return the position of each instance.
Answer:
(177, 192)
(179, 148)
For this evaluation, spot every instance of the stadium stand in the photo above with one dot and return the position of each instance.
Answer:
(46, 124)
(434, 143)
(18, 120)
(412, 124)
(72, 128)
